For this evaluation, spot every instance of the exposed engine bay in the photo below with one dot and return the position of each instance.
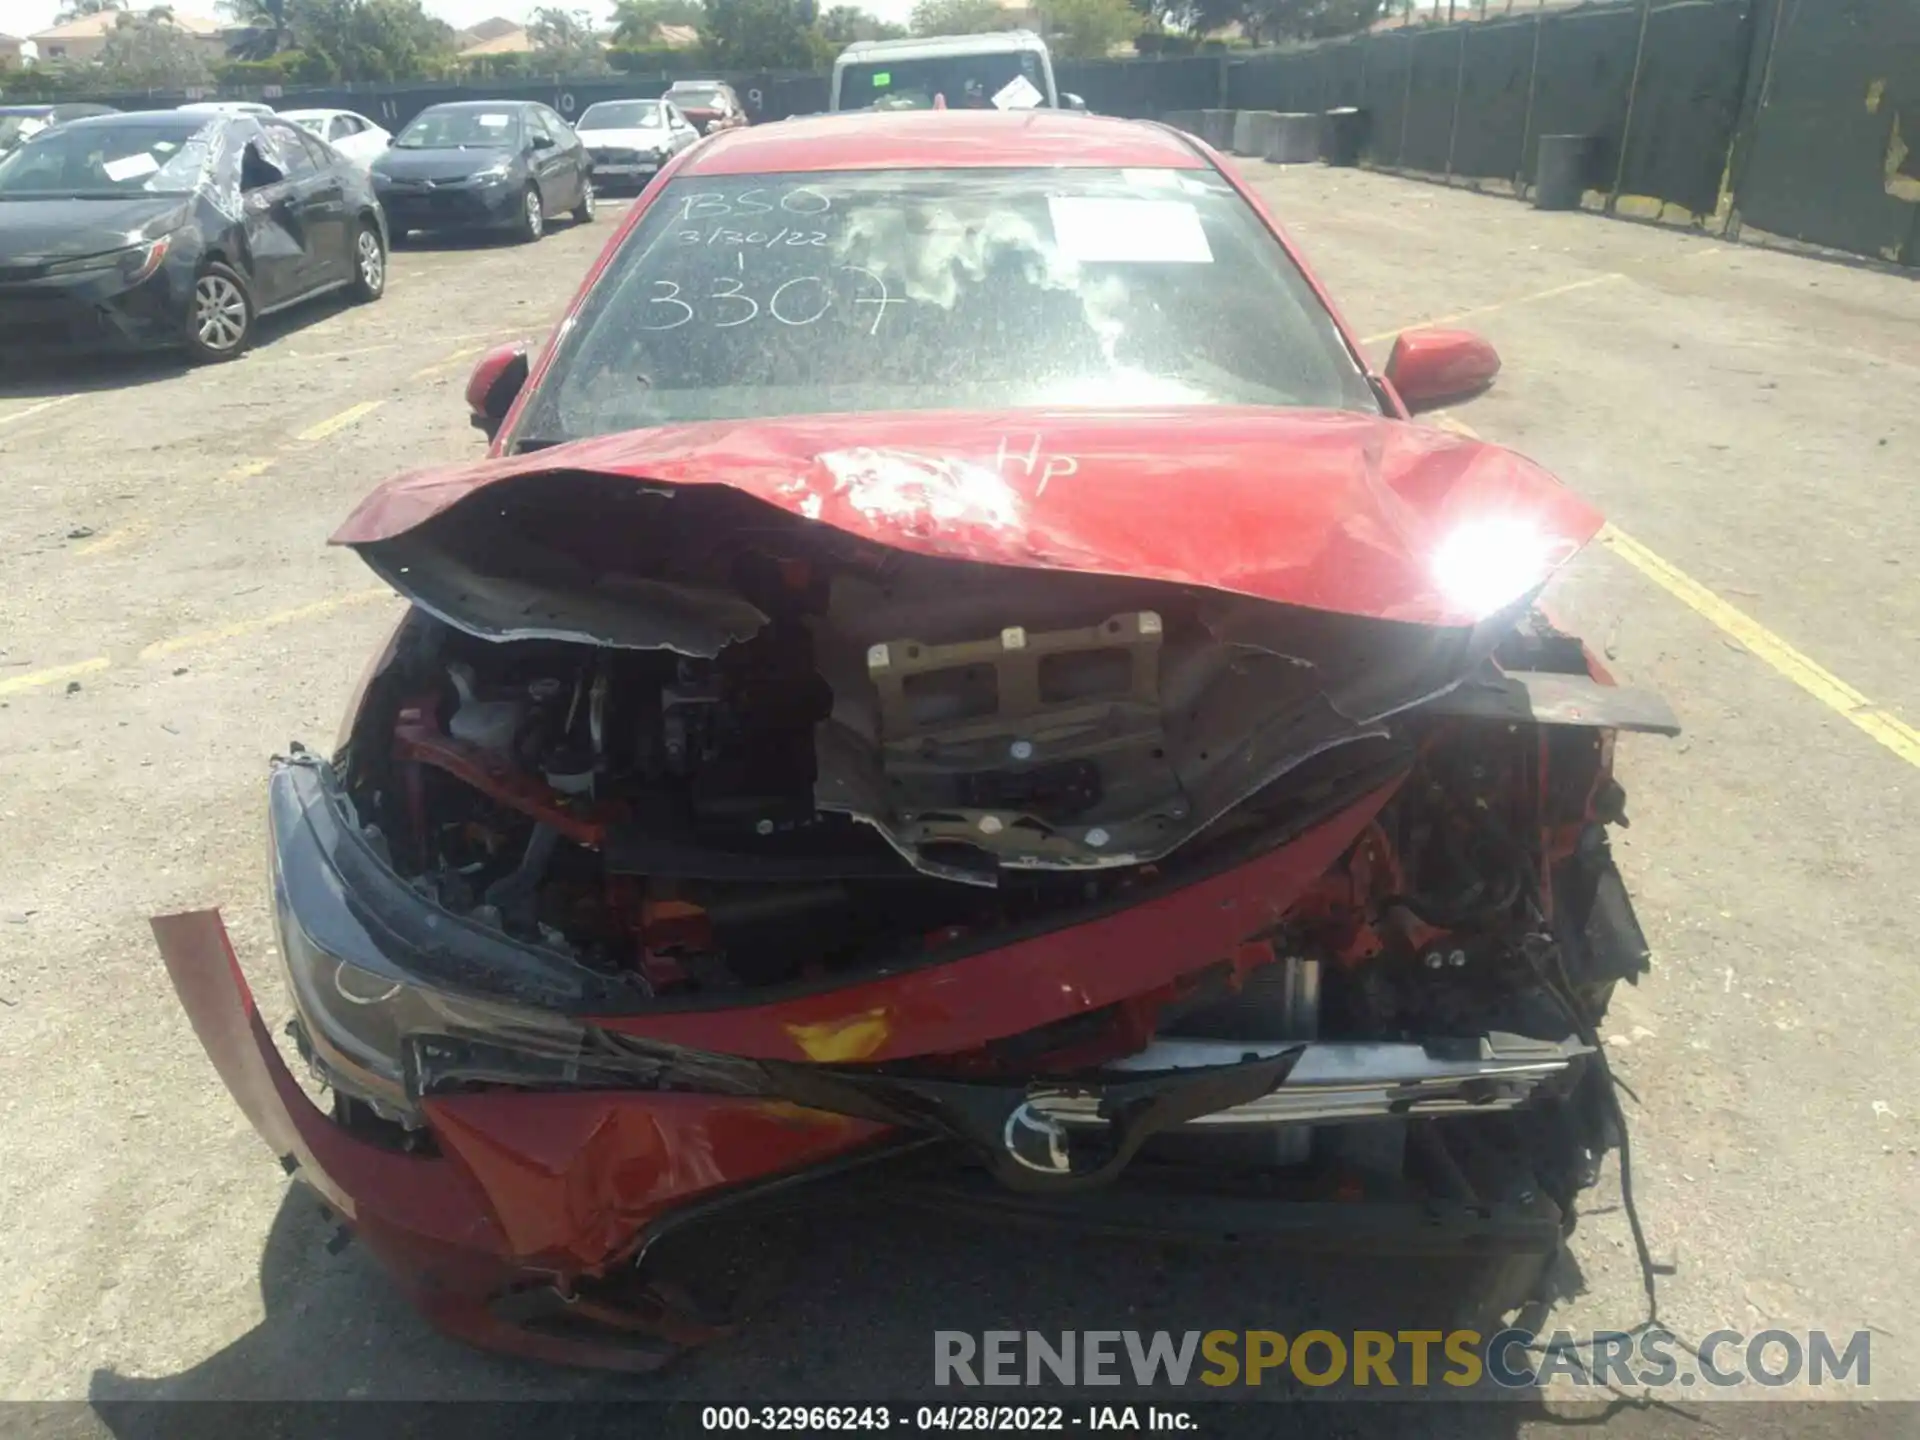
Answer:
(784, 758)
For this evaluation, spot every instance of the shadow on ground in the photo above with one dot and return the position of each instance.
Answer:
(34, 377)
(860, 1294)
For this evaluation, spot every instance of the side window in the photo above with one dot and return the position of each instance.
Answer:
(317, 150)
(342, 126)
(289, 149)
(256, 170)
(557, 126)
(537, 125)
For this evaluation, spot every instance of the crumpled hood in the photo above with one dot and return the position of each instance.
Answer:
(53, 229)
(1353, 514)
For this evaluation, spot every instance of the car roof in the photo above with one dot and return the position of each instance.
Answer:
(990, 42)
(691, 84)
(154, 117)
(26, 109)
(943, 140)
(318, 114)
(481, 105)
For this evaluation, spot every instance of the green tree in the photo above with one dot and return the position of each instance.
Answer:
(367, 40)
(264, 30)
(1088, 29)
(637, 22)
(759, 35)
(564, 41)
(79, 9)
(960, 17)
(844, 24)
(151, 52)
(1267, 21)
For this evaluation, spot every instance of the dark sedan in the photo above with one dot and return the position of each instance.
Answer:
(485, 165)
(161, 229)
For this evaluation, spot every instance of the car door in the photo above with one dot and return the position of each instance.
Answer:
(547, 161)
(273, 215)
(321, 192)
(579, 165)
(679, 128)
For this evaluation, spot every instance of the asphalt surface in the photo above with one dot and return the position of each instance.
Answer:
(170, 616)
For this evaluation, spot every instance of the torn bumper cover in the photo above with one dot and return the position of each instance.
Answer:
(510, 1146)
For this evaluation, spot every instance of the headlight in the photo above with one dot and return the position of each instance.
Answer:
(135, 262)
(354, 938)
(493, 174)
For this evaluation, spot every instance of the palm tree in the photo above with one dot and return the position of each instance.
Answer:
(264, 32)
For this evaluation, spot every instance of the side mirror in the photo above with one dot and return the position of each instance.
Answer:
(1073, 102)
(495, 385)
(1431, 368)
(543, 142)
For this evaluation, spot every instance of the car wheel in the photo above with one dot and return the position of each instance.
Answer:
(369, 264)
(220, 314)
(533, 220)
(584, 211)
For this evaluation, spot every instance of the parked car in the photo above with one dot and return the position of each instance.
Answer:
(956, 675)
(485, 165)
(226, 107)
(709, 104)
(1001, 70)
(158, 229)
(20, 123)
(630, 140)
(352, 134)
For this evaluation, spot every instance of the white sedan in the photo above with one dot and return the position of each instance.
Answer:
(353, 135)
(631, 139)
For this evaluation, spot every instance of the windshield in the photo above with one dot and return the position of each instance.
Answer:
(622, 115)
(14, 129)
(695, 97)
(969, 82)
(81, 161)
(746, 296)
(461, 130)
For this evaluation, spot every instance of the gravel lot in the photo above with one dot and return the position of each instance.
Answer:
(170, 616)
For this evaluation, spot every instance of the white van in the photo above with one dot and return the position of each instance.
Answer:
(1004, 70)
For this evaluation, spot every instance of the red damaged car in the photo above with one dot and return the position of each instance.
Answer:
(954, 678)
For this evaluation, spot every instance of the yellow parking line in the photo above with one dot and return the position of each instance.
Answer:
(427, 372)
(200, 639)
(246, 470)
(34, 679)
(1875, 721)
(113, 539)
(36, 409)
(339, 422)
(1454, 319)
(1826, 687)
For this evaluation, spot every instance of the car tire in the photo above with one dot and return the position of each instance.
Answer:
(533, 218)
(219, 314)
(583, 213)
(369, 264)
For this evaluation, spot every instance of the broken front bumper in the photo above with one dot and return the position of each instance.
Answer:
(514, 1190)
